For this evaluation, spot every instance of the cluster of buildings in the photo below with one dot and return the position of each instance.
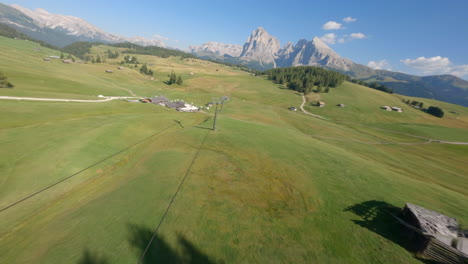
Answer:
(178, 105)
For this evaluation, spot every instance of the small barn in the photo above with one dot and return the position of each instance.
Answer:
(397, 109)
(46, 59)
(439, 237)
(293, 109)
(321, 104)
(340, 105)
(67, 61)
(210, 104)
(109, 71)
(386, 108)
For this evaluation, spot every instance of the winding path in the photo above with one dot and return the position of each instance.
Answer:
(108, 98)
(308, 113)
(429, 140)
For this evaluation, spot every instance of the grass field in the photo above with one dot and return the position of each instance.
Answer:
(268, 186)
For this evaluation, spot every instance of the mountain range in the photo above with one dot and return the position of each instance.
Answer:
(61, 30)
(262, 51)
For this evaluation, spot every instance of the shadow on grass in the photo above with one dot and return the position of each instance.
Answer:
(161, 252)
(204, 121)
(179, 123)
(92, 258)
(377, 217)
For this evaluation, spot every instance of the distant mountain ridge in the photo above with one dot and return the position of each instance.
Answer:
(61, 30)
(263, 51)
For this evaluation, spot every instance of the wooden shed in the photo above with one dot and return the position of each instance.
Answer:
(438, 237)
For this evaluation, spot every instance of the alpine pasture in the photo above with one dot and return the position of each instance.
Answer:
(269, 185)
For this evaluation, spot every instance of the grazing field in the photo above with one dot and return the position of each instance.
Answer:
(268, 186)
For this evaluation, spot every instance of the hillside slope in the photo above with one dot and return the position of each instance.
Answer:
(268, 186)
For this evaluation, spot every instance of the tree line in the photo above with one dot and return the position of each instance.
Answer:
(151, 50)
(373, 85)
(432, 110)
(414, 103)
(304, 78)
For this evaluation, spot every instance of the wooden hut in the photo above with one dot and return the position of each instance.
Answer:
(438, 236)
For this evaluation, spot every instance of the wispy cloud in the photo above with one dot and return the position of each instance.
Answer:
(332, 25)
(349, 19)
(380, 65)
(329, 38)
(346, 38)
(436, 65)
(357, 36)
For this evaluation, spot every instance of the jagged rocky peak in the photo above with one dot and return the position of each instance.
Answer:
(218, 48)
(261, 46)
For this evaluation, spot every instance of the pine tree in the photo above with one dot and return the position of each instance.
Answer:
(144, 69)
(179, 80)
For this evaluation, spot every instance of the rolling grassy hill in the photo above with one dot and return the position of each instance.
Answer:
(268, 186)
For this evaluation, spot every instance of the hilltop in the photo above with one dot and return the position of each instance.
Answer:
(269, 185)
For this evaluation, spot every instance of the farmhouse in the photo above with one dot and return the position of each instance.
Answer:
(161, 100)
(175, 104)
(439, 237)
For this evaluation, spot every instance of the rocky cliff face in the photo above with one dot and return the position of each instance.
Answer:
(314, 52)
(218, 48)
(66, 29)
(261, 47)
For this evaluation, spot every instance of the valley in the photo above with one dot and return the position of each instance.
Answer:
(96, 182)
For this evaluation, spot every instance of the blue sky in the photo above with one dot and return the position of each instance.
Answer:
(416, 36)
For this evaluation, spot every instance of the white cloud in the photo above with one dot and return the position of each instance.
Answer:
(357, 36)
(332, 25)
(329, 38)
(349, 19)
(436, 65)
(460, 71)
(380, 65)
(341, 40)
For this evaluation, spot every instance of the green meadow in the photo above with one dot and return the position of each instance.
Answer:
(269, 185)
